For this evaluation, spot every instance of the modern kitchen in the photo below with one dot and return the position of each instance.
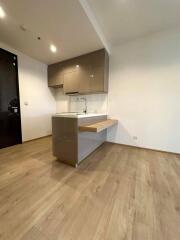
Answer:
(82, 131)
(89, 120)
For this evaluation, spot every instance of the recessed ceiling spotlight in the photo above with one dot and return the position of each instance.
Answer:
(2, 13)
(77, 66)
(53, 48)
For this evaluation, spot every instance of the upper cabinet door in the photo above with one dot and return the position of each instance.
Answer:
(84, 70)
(71, 82)
(55, 75)
(99, 71)
(77, 76)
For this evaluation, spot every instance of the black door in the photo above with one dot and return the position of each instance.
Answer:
(10, 120)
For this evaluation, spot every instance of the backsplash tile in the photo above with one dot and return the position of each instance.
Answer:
(96, 103)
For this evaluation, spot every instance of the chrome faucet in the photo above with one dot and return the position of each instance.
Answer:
(85, 102)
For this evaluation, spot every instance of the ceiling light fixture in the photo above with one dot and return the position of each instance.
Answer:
(77, 66)
(53, 48)
(2, 13)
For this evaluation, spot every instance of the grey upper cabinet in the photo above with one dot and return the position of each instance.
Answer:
(55, 75)
(86, 74)
(77, 76)
(99, 71)
(72, 82)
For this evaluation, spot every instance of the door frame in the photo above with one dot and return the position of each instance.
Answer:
(17, 86)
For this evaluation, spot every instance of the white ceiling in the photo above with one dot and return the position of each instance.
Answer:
(59, 22)
(124, 20)
(81, 26)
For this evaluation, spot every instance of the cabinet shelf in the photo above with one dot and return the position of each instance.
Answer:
(99, 126)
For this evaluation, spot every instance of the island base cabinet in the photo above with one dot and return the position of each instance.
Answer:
(69, 144)
(64, 137)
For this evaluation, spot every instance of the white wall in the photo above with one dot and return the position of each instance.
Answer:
(36, 116)
(144, 92)
(96, 103)
(62, 101)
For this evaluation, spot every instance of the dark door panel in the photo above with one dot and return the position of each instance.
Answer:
(10, 120)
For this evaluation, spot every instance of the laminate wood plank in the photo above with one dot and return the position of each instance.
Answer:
(99, 126)
(118, 192)
(34, 234)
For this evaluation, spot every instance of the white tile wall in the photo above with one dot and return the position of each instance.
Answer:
(96, 103)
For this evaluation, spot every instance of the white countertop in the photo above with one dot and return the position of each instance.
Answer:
(79, 115)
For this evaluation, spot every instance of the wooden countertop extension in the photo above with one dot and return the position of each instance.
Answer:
(99, 126)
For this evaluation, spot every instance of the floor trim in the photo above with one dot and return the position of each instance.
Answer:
(150, 149)
(34, 139)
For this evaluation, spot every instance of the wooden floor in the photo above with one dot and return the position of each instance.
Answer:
(118, 193)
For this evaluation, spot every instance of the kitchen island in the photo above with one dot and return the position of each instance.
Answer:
(73, 138)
